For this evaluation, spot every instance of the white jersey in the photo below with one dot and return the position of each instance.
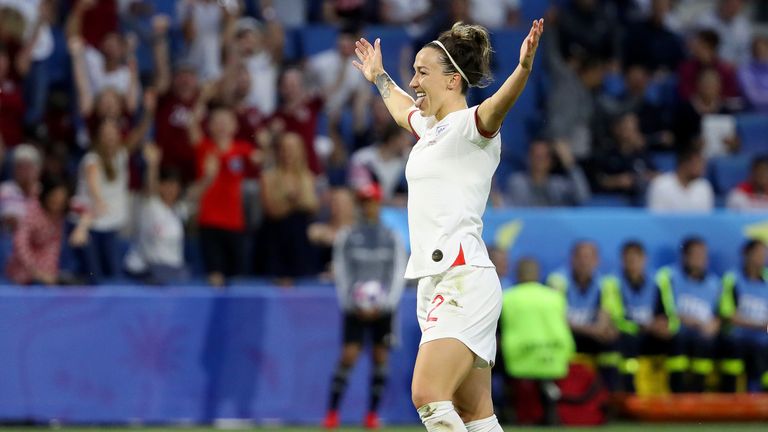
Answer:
(449, 175)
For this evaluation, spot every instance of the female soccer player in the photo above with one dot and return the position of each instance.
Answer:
(449, 178)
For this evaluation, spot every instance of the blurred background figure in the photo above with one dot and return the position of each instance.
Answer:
(539, 187)
(745, 306)
(690, 296)
(157, 254)
(39, 236)
(368, 261)
(589, 318)
(536, 341)
(685, 189)
(751, 195)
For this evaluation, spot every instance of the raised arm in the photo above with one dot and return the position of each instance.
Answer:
(492, 111)
(398, 102)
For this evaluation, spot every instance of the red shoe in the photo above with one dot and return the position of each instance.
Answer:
(331, 420)
(372, 421)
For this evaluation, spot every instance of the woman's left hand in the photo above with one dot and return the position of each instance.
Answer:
(531, 42)
(78, 238)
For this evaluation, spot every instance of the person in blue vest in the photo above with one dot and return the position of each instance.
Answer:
(690, 297)
(745, 305)
(588, 317)
(632, 298)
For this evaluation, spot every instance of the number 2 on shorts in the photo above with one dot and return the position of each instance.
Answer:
(439, 300)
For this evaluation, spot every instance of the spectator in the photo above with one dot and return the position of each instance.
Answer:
(11, 101)
(347, 11)
(633, 300)
(651, 44)
(157, 255)
(695, 118)
(588, 316)
(203, 22)
(379, 123)
(495, 14)
(745, 305)
(685, 189)
(733, 28)
(753, 76)
(382, 163)
(260, 46)
(588, 28)
(290, 13)
(628, 168)
(222, 162)
(535, 339)
(101, 19)
(36, 47)
(368, 261)
(411, 14)
(178, 96)
(500, 259)
(37, 241)
(690, 294)
(751, 195)
(703, 48)
(538, 187)
(102, 190)
(342, 215)
(290, 200)
(339, 80)
(113, 64)
(298, 112)
(18, 193)
(571, 104)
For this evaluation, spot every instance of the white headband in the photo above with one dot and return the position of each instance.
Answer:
(458, 69)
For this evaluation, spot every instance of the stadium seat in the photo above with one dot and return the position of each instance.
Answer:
(533, 9)
(753, 132)
(608, 200)
(393, 40)
(664, 161)
(728, 171)
(315, 39)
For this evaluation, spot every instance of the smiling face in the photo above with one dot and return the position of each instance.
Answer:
(432, 85)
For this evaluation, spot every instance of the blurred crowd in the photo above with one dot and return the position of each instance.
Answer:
(162, 140)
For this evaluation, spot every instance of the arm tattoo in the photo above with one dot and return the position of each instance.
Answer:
(383, 82)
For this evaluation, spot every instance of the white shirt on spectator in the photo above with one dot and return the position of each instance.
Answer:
(291, 13)
(389, 173)
(332, 70)
(160, 239)
(13, 202)
(741, 199)
(29, 8)
(113, 192)
(263, 71)
(667, 194)
(205, 50)
(492, 13)
(119, 79)
(735, 36)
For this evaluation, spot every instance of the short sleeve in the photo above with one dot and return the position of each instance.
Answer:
(472, 130)
(417, 123)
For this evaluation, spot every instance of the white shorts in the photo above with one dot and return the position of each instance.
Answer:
(463, 303)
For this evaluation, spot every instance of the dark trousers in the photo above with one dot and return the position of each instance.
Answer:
(223, 250)
(690, 361)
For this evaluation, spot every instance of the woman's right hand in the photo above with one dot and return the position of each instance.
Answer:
(371, 64)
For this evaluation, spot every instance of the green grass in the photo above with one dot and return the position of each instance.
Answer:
(636, 427)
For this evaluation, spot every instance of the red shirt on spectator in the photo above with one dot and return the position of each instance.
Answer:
(173, 115)
(36, 245)
(221, 205)
(689, 74)
(99, 20)
(11, 112)
(304, 123)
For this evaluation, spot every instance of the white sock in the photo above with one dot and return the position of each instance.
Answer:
(441, 417)
(490, 424)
